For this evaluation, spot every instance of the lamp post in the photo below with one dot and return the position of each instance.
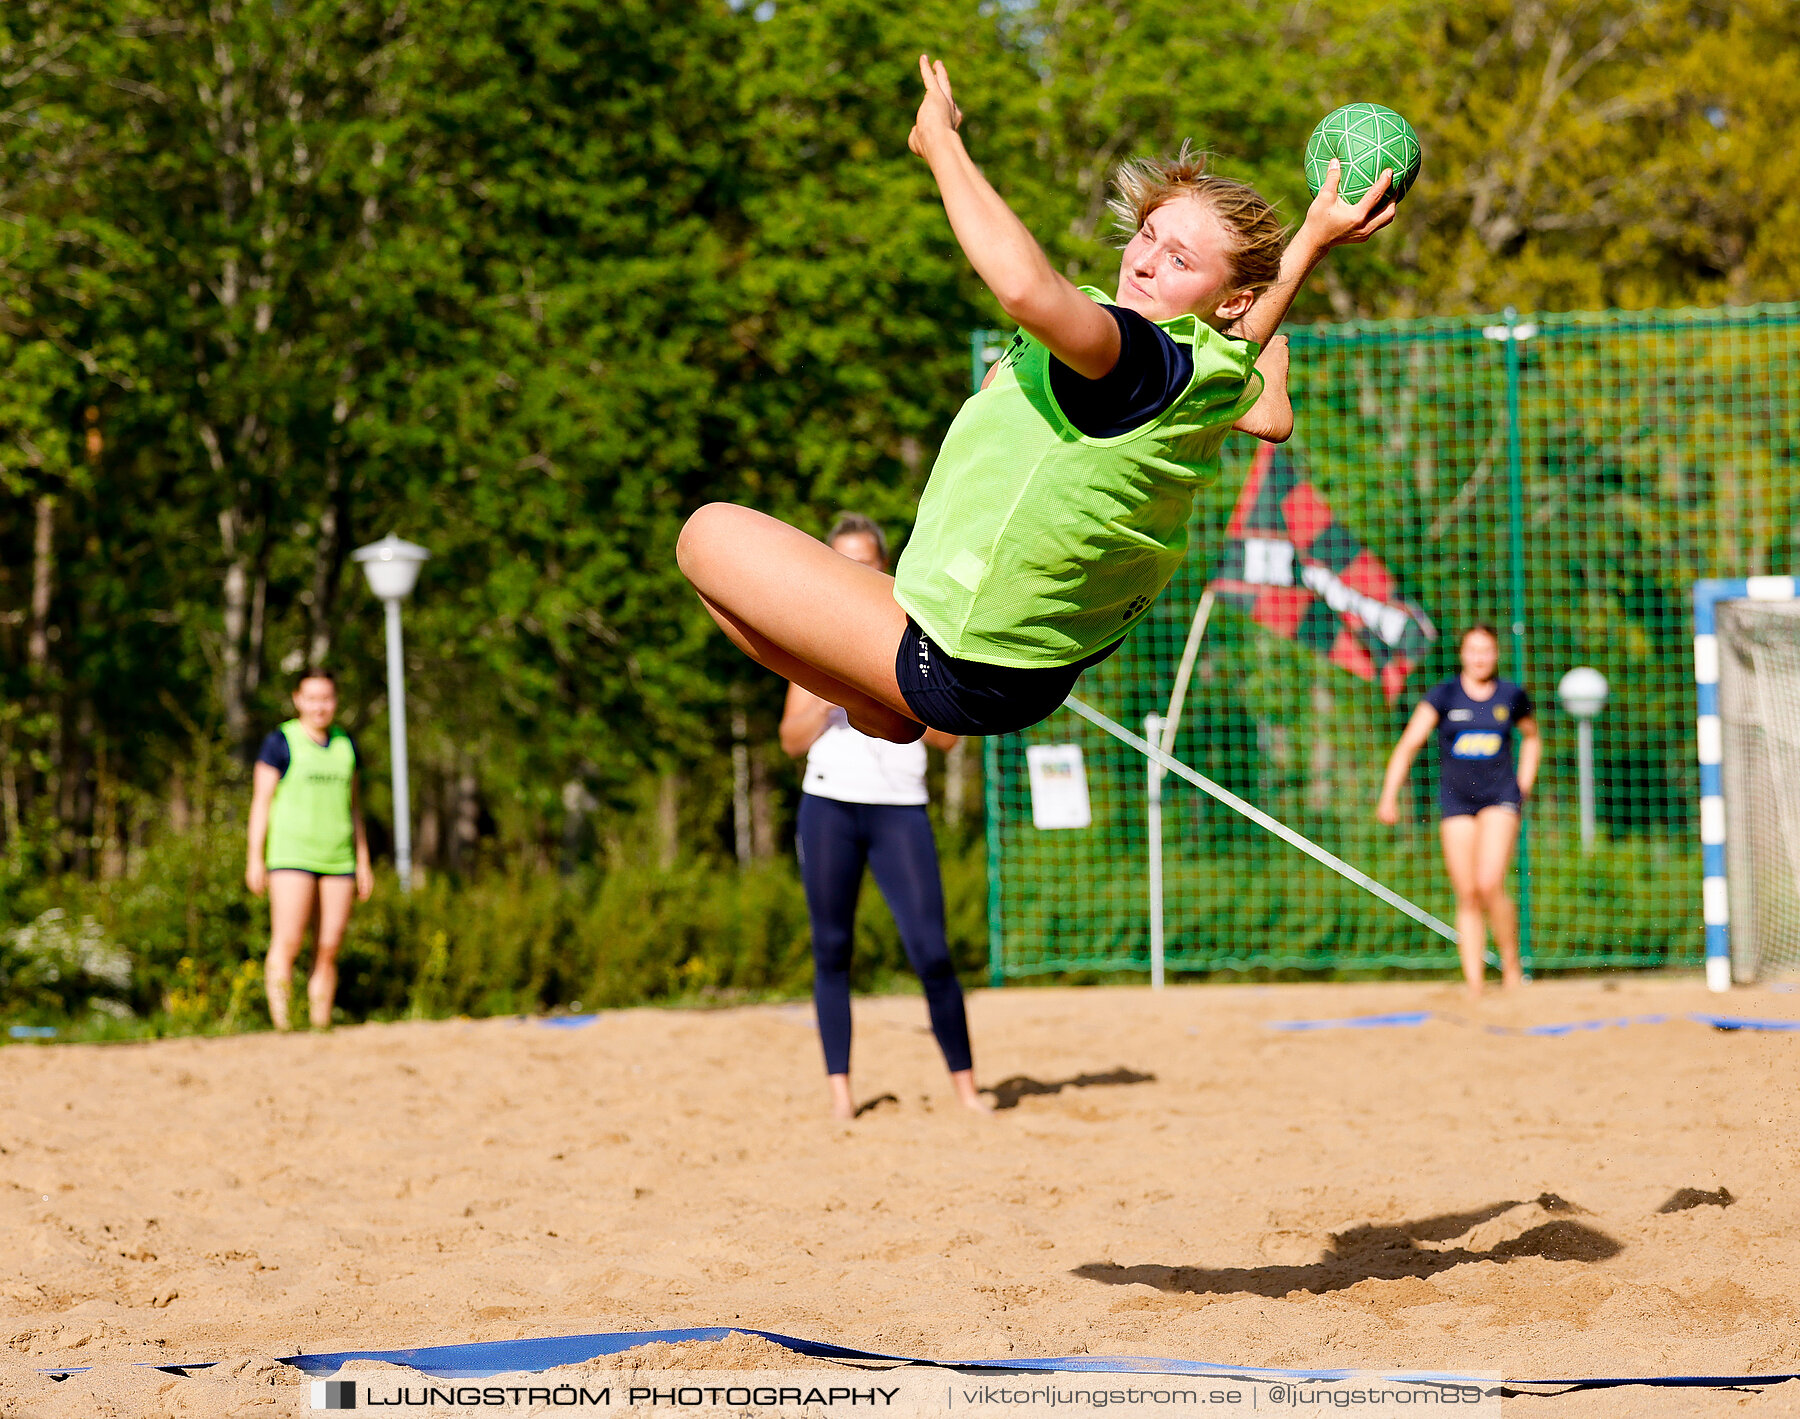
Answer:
(1583, 694)
(392, 567)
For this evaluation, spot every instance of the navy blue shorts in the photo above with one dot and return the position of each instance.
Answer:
(967, 697)
(1458, 805)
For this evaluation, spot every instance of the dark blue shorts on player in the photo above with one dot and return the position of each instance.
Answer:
(1458, 805)
(969, 698)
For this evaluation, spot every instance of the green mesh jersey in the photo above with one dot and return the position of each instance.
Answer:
(1036, 545)
(309, 822)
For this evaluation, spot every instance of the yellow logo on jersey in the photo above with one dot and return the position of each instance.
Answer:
(1500, 713)
(1475, 745)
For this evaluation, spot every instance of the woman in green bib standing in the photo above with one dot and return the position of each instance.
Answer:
(308, 850)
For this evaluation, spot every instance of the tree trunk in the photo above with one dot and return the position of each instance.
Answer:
(181, 811)
(43, 586)
(253, 649)
(236, 591)
(76, 801)
(429, 849)
(577, 804)
(107, 838)
(20, 789)
(668, 820)
(762, 809)
(465, 834)
(328, 559)
(740, 776)
(9, 802)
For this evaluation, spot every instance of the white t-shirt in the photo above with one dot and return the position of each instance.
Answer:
(853, 768)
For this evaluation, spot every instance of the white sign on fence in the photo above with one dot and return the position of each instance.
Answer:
(1059, 793)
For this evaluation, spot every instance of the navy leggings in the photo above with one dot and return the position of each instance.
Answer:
(836, 840)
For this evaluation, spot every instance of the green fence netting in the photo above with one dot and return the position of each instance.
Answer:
(1566, 478)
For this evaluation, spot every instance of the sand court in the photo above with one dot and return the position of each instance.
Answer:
(1168, 1175)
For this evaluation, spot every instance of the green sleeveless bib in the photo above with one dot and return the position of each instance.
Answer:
(309, 821)
(1036, 545)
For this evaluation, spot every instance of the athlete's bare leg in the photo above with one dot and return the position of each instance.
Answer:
(1461, 838)
(337, 896)
(1497, 832)
(808, 613)
(290, 909)
(843, 1105)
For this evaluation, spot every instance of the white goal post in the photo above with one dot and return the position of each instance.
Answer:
(1747, 678)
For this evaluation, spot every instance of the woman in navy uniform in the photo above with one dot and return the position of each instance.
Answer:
(1476, 714)
(863, 804)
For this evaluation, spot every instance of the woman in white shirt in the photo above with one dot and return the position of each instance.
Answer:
(863, 803)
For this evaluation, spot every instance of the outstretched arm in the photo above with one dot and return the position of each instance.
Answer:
(1272, 416)
(1418, 730)
(1004, 254)
(1330, 221)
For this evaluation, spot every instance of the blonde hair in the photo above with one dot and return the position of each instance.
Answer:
(1257, 234)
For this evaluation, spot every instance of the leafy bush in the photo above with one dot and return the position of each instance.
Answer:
(181, 941)
(59, 966)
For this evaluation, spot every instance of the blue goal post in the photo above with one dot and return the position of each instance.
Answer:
(1710, 734)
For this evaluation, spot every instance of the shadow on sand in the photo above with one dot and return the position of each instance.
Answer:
(1008, 1092)
(1377, 1252)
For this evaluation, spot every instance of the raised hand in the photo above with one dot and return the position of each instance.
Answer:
(1332, 221)
(938, 112)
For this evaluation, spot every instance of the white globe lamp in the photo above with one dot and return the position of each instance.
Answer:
(1583, 694)
(392, 567)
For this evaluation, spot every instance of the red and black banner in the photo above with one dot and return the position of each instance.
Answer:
(1293, 568)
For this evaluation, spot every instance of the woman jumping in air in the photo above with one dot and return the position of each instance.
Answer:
(1057, 509)
(1475, 715)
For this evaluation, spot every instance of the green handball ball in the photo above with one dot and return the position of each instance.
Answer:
(1365, 138)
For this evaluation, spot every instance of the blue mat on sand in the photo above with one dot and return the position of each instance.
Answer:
(1402, 1020)
(1575, 1027)
(495, 1357)
(500, 1357)
(568, 1022)
(1742, 1022)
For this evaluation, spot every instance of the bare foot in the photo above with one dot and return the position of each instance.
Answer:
(843, 1107)
(967, 1094)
